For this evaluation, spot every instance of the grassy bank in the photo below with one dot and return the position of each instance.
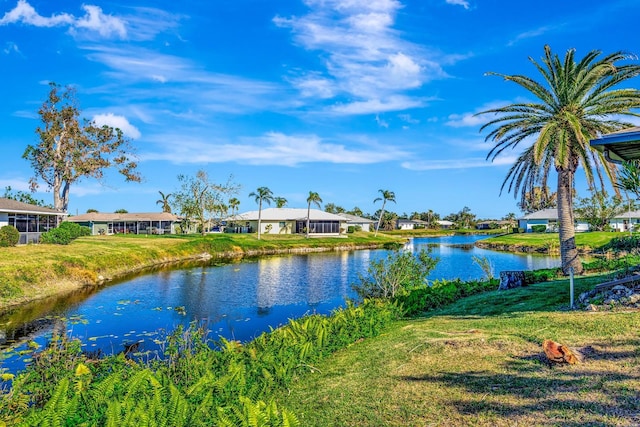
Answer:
(479, 362)
(32, 272)
(547, 242)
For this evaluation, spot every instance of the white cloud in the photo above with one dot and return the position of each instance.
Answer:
(372, 106)
(105, 25)
(470, 119)
(366, 60)
(408, 119)
(381, 122)
(119, 122)
(273, 148)
(462, 163)
(26, 14)
(462, 3)
(11, 47)
(530, 34)
(93, 21)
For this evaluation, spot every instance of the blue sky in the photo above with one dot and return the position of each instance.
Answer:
(340, 97)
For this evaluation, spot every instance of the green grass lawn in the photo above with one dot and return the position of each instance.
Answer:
(479, 362)
(585, 241)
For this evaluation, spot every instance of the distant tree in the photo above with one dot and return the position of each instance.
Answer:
(356, 211)
(262, 194)
(386, 196)
(599, 209)
(431, 218)
(121, 211)
(511, 221)
(92, 211)
(199, 197)
(537, 199)
(71, 149)
(24, 197)
(333, 208)
(281, 202)
(233, 205)
(164, 201)
(316, 200)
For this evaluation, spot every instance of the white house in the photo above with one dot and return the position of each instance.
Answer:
(365, 224)
(548, 218)
(128, 223)
(288, 221)
(626, 220)
(410, 224)
(30, 220)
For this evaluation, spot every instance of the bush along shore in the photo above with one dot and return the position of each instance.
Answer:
(32, 272)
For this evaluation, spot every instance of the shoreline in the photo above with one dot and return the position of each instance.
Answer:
(96, 278)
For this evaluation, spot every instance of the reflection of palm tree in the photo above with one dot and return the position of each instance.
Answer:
(574, 105)
(386, 196)
(262, 194)
(281, 202)
(316, 200)
(164, 201)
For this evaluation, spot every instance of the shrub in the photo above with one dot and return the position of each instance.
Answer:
(65, 233)
(9, 236)
(540, 228)
(441, 293)
(351, 229)
(395, 275)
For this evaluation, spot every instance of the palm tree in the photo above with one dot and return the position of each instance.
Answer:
(575, 103)
(164, 201)
(386, 196)
(281, 202)
(262, 194)
(316, 200)
(233, 205)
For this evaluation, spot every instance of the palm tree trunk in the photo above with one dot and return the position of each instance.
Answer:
(259, 217)
(568, 250)
(308, 213)
(380, 218)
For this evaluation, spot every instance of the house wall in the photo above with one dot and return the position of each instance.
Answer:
(405, 226)
(4, 219)
(528, 223)
(620, 224)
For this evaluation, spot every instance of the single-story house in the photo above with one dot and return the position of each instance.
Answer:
(128, 223)
(365, 224)
(445, 224)
(30, 220)
(626, 221)
(410, 224)
(549, 218)
(288, 221)
(488, 224)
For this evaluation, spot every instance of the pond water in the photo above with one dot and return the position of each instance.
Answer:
(235, 301)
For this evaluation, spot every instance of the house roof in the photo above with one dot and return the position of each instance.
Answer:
(14, 206)
(619, 146)
(356, 219)
(411, 221)
(444, 222)
(626, 215)
(551, 213)
(287, 214)
(117, 217)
